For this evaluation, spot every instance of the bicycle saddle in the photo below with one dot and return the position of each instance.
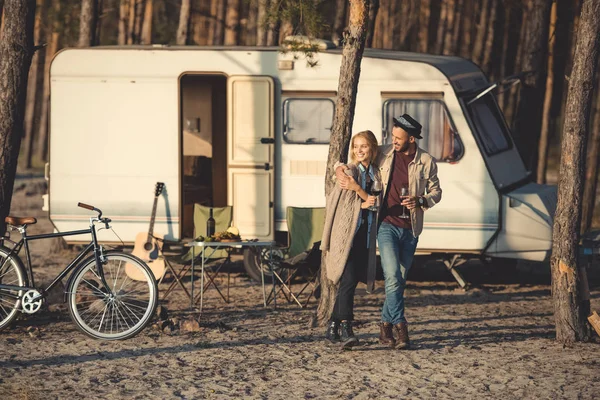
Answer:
(20, 220)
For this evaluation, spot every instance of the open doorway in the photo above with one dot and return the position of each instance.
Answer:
(204, 144)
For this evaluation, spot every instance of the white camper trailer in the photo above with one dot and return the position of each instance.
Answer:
(249, 127)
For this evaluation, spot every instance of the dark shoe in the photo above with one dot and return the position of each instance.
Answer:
(402, 340)
(346, 335)
(386, 335)
(333, 332)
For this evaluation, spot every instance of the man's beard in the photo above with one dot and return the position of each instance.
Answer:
(404, 147)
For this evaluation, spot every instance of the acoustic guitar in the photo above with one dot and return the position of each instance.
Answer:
(147, 247)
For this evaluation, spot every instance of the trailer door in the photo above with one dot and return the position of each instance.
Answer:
(250, 144)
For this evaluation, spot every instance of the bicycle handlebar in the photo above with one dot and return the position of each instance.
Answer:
(91, 208)
(86, 206)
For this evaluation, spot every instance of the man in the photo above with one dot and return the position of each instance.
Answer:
(402, 164)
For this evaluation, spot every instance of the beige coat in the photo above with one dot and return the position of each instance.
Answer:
(341, 220)
(422, 178)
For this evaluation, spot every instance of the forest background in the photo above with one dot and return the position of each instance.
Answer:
(503, 37)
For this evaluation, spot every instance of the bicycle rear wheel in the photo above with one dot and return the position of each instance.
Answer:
(120, 312)
(11, 273)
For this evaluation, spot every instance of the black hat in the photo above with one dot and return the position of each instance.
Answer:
(409, 124)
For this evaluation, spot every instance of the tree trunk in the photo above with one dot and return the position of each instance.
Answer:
(232, 23)
(131, 39)
(481, 30)
(262, 25)
(146, 36)
(35, 82)
(140, 8)
(528, 118)
(486, 56)
(16, 51)
(339, 21)
(570, 309)
(87, 23)
(592, 165)
(252, 25)
(220, 22)
(123, 17)
(452, 47)
(286, 29)
(504, 56)
(354, 44)
(1, 17)
(373, 11)
(442, 27)
(546, 119)
(447, 39)
(464, 43)
(386, 25)
(42, 139)
(424, 13)
(184, 22)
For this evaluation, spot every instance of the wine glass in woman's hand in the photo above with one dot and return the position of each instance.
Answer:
(376, 188)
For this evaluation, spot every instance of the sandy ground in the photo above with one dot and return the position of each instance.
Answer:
(494, 341)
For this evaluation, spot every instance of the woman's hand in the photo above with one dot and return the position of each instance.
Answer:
(369, 202)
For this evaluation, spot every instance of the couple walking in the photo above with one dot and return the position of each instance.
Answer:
(353, 225)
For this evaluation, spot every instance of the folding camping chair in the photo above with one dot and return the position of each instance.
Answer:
(223, 217)
(305, 228)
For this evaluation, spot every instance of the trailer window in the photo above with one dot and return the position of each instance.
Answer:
(489, 125)
(440, 138)
(307, 120)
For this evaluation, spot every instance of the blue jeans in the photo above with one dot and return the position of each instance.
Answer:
(397, 249)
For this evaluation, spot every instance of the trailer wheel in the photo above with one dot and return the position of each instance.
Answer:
(257, 259)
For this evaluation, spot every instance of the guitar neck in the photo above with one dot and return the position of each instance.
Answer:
(152, 218)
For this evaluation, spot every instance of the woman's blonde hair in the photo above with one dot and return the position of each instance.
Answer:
(371, 141)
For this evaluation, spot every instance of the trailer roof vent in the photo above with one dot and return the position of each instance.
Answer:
(298, 42)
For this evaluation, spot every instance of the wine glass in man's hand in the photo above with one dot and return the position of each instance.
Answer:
(376, 188)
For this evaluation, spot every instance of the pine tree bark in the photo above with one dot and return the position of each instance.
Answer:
(184, 22)
(35, 82)
(424, 13)
(220, 22)
(131, 39)
(373, 12)
(232, 23)
(570, 309)
(481, 30)
(16, 51)
(441, 28)
(140, 10)
(339, 21)
(592, 165)
(252, 25)
(262, 25)
(123, 18)
(1, 17)
(466, 16)
(354, 44)
(447, 38)
(486, 56)
(87, 23)
(41, 148)
(546, 119)
(528, 118)
(146, 36)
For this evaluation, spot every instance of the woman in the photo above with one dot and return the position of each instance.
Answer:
(349, 234)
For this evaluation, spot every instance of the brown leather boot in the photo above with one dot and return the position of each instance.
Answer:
(402, 340)
(386, 336)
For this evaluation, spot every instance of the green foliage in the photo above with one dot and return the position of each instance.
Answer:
(305, 16)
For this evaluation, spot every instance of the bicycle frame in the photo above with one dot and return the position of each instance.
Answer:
(24, 242)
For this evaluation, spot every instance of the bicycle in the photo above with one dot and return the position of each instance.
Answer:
(102, 300)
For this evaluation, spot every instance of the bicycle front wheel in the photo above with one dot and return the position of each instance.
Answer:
(120, 312)
(11, 273)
